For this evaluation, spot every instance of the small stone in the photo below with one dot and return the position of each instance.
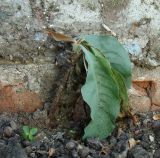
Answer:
(71, 145)
(113, 141)
(121, 146)
(145, 138)
(13, 125)
(44, 146)
(132, 142)
(138, 152)
(42, 152)
(156, 125)
(89, 156)
(26, 143)
(114, 155)
(28, 149)
(79, 147)
(51, 152)
(138, 134)
(74, 154)
(123, 136)
(34, 148)
(84, 152)
(2, 142)
(32, 155)
(156, 154)
(94, 143)
(145, 145)
(8, 131)
(151, 138)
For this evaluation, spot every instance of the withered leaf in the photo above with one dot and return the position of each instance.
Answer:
(59, 36)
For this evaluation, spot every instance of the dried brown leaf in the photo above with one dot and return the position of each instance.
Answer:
(59, 36)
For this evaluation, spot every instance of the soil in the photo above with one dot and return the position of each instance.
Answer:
(128, 140)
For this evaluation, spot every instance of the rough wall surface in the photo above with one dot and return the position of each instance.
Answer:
(137, 25)
(27, 54)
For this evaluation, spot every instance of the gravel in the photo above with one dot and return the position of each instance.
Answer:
(58, 144)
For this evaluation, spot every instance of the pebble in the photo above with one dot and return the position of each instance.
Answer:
(145, 138)
(74, 154)
(28, 149)
(145, 145)
(32, 155)
(2, 142)
(8, 131)
(71, 145)
(84, 152)
(114, 155)
(157, 154)
(156, 124)
(13, 125)
(151, 138)
(26, 143)
(138, 152)
(58, 145)
(113, 141)
(121, 146)
(42, 152)
(34, 148)
(51, 152)
(94, 143)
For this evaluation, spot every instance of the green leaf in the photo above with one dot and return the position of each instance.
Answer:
(31, 137)
(115, 53)
(33, 131)
(25, 130)
(122, 90)
(101, 93)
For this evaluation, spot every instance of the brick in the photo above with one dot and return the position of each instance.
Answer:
(18, 99)
(145, 91)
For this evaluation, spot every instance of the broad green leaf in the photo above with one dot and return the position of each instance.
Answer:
(101, 93)
(122, 90)
(25, 130)
(31, 137)
(115, 53)
(33, 131)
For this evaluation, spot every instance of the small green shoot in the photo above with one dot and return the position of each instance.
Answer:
(29, 133)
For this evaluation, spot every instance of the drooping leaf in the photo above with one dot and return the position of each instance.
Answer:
(115, 53)
(123, 96)
(33, 131)
(101, 93)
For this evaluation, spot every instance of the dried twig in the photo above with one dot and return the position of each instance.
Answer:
(108, 29)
